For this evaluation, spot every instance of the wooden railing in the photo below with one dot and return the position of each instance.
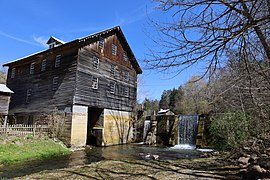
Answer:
(18, 129)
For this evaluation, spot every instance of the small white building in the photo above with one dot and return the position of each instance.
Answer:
(4, 99)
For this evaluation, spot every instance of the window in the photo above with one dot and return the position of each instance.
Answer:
(101, 42)
(32, 68)
(125, 57)
(57, 61)
(52, 45)
(94, 83)
(95, 62)
(13, 71)
(43, 65)
(114, 49)
(55, 83)
(28, 95)
(113, 69)
(112, 87)
(126, 75)
(126, 91)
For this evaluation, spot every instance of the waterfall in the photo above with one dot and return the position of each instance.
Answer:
(187, 129)
(146, 129)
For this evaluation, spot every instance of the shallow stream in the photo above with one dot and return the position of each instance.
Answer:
(94, 154)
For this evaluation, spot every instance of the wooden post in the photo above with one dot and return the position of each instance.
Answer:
(5, 125)
(34, 130)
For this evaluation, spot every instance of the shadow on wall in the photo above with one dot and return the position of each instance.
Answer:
(118, 127)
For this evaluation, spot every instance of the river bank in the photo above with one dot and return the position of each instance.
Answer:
(15, 150)
(135, 161)
(126, 162)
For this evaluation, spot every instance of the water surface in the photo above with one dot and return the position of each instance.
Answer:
(94, 154)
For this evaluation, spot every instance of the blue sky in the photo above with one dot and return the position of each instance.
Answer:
(26, 26)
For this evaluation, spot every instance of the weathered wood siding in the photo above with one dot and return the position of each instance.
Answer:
(4, 103)
(102, 97)
(43, 98)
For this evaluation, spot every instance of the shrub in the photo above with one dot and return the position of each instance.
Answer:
(229, 129)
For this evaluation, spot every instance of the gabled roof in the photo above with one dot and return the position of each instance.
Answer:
(5, 89)
(162, 111)
(54, 39)
(116, 29)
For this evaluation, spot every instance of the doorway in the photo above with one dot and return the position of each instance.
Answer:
(94, 125)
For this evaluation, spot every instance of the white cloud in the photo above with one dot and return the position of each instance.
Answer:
(41, 40)
(18, 39)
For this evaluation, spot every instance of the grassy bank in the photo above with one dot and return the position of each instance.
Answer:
(18, 150)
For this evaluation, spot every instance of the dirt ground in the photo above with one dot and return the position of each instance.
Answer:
(203, 168)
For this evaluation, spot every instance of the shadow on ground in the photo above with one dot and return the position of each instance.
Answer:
(142, 169)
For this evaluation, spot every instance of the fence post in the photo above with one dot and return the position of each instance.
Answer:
(5, 125)
(34, 130)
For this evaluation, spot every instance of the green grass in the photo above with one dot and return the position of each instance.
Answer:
(21, 150)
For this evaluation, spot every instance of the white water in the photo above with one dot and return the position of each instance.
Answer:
(187, 129)
(206, 150)
(146, 128)
(184, 146)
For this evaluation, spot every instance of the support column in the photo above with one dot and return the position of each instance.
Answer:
(79, 126)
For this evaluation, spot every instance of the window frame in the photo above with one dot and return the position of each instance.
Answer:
(126, 91)
(28, 96)
(94, 82)
(57, 61)
(114, 49)
(101, 42)
(43, 65)
(52, 45)
(113, 70)
(55, 83)
(95, 62)
(125, 56)
(126, 75)
(32, 68)
(112, 87)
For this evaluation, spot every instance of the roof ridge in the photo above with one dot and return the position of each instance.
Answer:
(99, 32)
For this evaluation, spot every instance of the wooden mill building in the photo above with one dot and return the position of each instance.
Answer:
(86, 86)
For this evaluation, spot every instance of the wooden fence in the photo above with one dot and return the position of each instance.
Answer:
(19, 130)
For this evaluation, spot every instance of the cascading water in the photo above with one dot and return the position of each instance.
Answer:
(146, 128)
(188, 129)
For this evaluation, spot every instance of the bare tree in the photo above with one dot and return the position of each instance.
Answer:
(231, 39)
(3, 77)
(242, 86)
(203, 30)
(195, 97)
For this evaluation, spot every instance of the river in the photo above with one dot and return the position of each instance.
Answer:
(94, 154)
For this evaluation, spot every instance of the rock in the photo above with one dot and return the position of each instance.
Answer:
(246, 148)
(254, 172)
(204, 155)
(151, 157)
(155, 157)
(243, 160)
(264, 162)
(215, 153)
(267, 151)
(256, 169)
(264, 155)
(253, 158)
(147, 156)
(89, 147)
